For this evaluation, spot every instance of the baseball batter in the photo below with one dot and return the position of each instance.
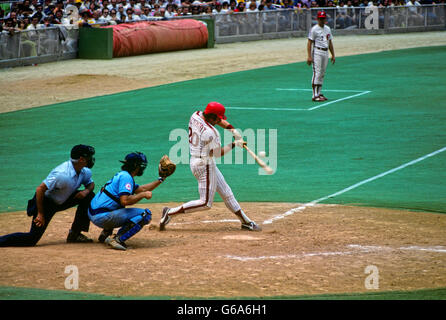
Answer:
(319, 42)
(204, 145)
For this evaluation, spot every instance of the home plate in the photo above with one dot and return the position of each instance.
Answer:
(241, 237)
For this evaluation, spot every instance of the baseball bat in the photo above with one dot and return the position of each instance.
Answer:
(259, 161)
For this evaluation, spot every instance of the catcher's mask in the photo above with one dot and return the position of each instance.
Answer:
(133, 161)
(82, 150)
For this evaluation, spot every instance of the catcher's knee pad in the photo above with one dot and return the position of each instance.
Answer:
(134, 225)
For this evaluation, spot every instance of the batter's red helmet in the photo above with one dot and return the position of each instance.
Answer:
(217, 109)
(321, 14)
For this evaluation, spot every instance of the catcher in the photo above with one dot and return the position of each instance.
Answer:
(108, 208)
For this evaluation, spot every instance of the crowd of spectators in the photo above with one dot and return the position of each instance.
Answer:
(36, 14)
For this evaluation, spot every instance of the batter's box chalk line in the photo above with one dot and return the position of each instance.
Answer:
(354, 249)
(276, 217)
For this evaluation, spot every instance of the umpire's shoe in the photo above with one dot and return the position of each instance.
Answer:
(77, 237)
(251, 226)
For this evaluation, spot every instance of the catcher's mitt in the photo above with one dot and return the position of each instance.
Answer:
(166, 167)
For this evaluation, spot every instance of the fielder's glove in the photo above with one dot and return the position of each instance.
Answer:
(166, 167)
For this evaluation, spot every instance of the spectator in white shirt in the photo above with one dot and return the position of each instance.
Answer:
(105, 17)
(169, 12)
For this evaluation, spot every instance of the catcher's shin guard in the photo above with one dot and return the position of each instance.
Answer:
(134, 225)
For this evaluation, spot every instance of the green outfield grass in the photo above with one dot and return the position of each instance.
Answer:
(319, 152)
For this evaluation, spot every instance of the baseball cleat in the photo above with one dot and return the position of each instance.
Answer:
(251, 226)
(165, 219)
(78, 238)
(114, 242)
(104, 234)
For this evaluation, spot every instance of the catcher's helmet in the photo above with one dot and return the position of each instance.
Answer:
(321, 14)
(133, 161)
(217, 109)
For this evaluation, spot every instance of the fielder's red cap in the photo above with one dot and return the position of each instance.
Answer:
(321, 14)
(216, 108)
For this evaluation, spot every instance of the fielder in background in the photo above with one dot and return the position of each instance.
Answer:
(204, 145)
(108, 208)
(319, 42)
(58, 192)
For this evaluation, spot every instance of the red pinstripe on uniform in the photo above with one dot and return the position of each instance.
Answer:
(207, 192)
(210, 180)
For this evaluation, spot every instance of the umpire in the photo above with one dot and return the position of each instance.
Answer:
(58, 192)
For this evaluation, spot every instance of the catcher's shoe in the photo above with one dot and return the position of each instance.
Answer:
(104, 234)
(115, 243)
(165, 219)
(251, 226)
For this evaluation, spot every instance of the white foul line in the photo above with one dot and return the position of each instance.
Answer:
(334, 101)
(314, 202)
(267, 108)
(354, 186)
(325, 90)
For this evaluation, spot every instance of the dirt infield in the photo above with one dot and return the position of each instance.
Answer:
(322, 249)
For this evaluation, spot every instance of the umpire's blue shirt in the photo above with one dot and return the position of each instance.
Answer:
(121, 184)
(63, 181)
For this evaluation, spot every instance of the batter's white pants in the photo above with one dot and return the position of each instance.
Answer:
(210, 180)
(320, 62)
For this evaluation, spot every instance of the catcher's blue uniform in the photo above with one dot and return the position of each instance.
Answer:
(107, 212)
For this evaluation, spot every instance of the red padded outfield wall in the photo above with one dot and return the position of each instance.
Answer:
(158, 36)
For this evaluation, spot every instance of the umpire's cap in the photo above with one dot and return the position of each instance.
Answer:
(82, 150)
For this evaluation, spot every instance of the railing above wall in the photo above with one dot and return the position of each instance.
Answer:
(359, 20)
(38, 46)
(61, 42)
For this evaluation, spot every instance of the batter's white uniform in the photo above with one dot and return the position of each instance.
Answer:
(203, 137)
(321, 37)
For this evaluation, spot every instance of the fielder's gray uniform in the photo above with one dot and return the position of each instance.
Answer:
(321, 37)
